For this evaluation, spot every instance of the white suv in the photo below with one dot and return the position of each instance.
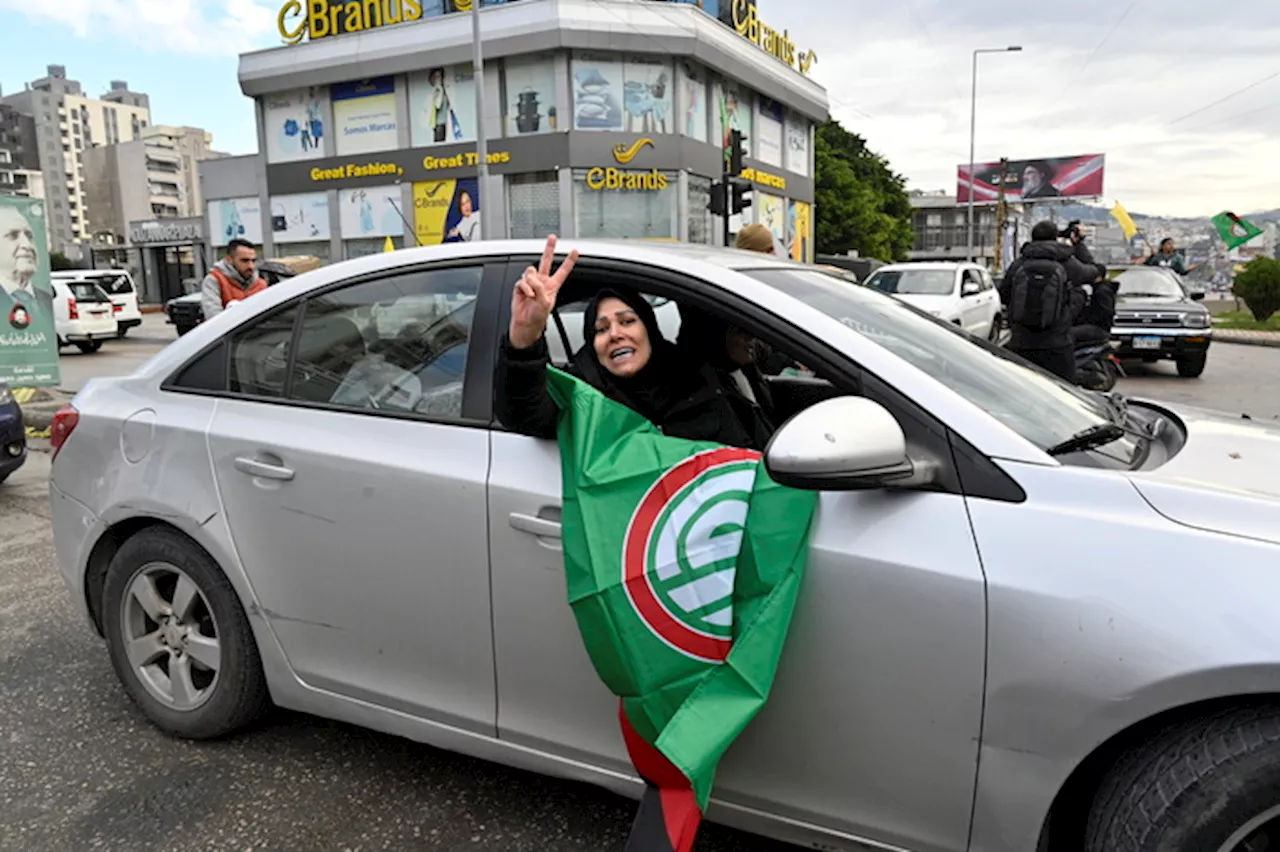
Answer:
(119, 286)
(960, 293)
(83, 314)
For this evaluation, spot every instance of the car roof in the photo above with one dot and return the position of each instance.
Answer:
(927, 264)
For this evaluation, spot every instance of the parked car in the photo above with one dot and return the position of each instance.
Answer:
(83, 314)
(118, 285)
(959, 293)
(185, 312)
(1158, 318)
(13, 434)
(1019, 593)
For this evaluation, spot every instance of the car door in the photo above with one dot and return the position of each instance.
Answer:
(874, 722)
(351, 457)
(973, 307)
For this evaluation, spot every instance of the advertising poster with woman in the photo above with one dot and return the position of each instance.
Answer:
(692, 102)
(442, 103)
(28, 340)
(598, 92)
(370, 212)
(800, 231)
(733, 112)
(446, 211)
(300, 218)
(648, 90)
(294, 124)
(531, 95)
(232, 218)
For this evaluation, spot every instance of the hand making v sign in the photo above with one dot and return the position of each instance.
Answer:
(535, 296)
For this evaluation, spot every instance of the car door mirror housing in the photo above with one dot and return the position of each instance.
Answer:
(1197, 296)
(843, 444)
(970, 288)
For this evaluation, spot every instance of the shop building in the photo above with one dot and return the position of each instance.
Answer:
(604, 118)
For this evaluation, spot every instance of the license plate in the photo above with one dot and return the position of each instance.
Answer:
(1146, 342)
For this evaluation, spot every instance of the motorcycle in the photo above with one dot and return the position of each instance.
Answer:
(1097, 367)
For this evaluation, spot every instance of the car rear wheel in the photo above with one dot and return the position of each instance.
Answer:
(1191, 366)
(88, 347)
(1212, 784)
(179, 638)
(121, 332)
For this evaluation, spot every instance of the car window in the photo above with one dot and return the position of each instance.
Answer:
(914, 282)
(571, 316)
(1042, 409)
(116, 285)
(1149, 283)
(396, 344)
(87, 291)
(260, 355)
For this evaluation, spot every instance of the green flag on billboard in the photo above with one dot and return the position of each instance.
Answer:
(683, 562)
(1234, 230)
(28, 339)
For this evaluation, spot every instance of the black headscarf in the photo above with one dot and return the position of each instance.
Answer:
(651, 391)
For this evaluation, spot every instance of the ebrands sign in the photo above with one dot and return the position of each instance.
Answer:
(747, 23)
(315, 19)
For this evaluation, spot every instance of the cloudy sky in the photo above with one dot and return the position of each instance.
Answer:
(1135, 80)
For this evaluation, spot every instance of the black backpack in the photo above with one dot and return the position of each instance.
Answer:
(1038, 298)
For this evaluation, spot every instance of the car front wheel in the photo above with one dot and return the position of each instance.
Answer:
(1212, 785)
(88, 347)
(1191, 366)
(179, 638)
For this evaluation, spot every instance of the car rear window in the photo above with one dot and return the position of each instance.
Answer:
(87, 291)
(116, 285)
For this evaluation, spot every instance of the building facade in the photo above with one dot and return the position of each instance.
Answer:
(67, 123)
(603, 118)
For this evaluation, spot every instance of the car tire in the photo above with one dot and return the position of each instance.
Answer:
(1197, 786)
(202, 701)
(1191, 366)
(183, 329)
(88, 347)
(121, 332)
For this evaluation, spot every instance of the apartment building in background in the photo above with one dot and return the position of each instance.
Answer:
(67, 123)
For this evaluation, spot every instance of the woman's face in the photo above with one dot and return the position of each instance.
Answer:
(464, 203)
(622, 341)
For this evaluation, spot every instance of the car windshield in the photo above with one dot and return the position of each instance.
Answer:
(1148, 283)
(1041, 408)
(87, 291)
(914, 282)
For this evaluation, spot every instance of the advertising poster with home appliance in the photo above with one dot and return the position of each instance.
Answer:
(531, 95)
(235, 218)
(370, 212)
(598, 92)
(364, 115)
(446, 211)
(28, 338)
(1044, 179)
(294, 123)
(648, 93)
(442, 105)
(300, 218)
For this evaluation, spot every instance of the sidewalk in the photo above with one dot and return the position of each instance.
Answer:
(1248, 338)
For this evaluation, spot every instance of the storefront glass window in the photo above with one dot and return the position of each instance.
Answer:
(442, 105)
(299, 218)
(691, 100)
(529, 95)
(535, 204)
(313, 249)
(732, 109)
(374, 211)
(633, 95)
(365, 247)
(798, 144)
(768, 139)
(295, 124)
(700, 219)
(364, 115)
(629, 204)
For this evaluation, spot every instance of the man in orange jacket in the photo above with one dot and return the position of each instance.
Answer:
(231, 279)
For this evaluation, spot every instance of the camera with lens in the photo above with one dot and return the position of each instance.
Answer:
(1073, 232)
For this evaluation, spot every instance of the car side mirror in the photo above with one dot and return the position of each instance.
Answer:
(847, 443)
(1197, 296)
(969, 288)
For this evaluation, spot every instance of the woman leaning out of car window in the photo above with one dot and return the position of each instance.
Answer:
(625, 357)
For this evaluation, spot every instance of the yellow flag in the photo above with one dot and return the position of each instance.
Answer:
(1126, 221)
(389, 245)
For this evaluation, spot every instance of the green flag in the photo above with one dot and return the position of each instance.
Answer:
(28, 338)
(684, 561)
(1234, 230)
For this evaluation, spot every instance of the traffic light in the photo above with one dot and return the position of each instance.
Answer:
(737, 152)
(740, 192)
(716, 204)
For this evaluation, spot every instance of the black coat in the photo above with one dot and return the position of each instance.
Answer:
(1059, 336)
(684, 397)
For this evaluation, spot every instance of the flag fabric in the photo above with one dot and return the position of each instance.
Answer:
(1126, 221)
(683, 562)
(1235, 231)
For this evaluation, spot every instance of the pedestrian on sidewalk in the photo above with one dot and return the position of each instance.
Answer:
(1043, 294)
(232, 279)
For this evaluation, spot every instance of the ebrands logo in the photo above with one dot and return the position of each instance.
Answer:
(625, 154)
(313, 19)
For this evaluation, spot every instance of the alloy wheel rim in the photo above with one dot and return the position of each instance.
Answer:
(171, 639)
(1257, 835)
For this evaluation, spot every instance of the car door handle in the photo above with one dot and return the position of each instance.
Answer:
(539, 526)
(264, 470)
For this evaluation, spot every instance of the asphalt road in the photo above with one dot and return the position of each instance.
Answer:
(116, 357)
(80, 768)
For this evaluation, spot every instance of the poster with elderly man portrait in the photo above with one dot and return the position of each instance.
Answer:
(28, 340)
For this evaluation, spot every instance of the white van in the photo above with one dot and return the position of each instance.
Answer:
(83, 314)
(118, 285)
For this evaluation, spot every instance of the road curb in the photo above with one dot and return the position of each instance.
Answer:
(1246, 338)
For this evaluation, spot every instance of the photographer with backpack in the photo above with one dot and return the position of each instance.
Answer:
(1042, 294)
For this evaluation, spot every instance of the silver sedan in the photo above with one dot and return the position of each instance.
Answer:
(1034, 617)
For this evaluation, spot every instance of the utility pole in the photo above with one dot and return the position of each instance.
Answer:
(482, 143)
(1002, 211)
(973, 124)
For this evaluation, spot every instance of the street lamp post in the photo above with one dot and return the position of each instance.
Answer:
(973, 123)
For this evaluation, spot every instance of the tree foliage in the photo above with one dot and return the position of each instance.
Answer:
(1259, 285)
(862, 203)
(59, 261)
